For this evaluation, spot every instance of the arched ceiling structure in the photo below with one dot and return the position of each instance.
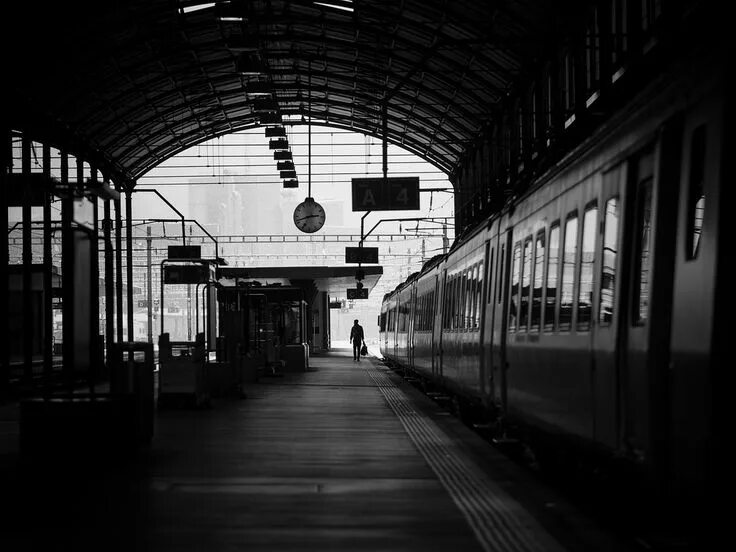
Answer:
(131, 83)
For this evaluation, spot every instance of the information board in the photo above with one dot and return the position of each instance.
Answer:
(361, 255)
(389, 194)
(355, 293)
(185, 252)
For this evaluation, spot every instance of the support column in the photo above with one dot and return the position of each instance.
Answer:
(6, 157)
(119, 270)
(95, 364)
(129, 258)
(67, 275)
(28, 321)
(48, 285)
(109, 285)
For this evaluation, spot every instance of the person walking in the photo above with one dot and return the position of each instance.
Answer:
(357, 337)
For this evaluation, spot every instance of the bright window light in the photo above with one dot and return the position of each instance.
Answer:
(196, 7)
(341, 6)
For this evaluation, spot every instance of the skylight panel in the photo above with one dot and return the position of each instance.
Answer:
(342, 5)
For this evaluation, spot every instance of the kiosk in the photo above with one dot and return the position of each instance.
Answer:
(183, 358)
(263, 328)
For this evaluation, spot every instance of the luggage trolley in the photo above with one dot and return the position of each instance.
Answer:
(182, 357)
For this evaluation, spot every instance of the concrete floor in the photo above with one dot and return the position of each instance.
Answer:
(345, 456)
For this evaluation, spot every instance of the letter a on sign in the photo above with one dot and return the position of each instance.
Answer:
(368, 198)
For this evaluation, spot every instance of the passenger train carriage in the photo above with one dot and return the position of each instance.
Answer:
(587, 311)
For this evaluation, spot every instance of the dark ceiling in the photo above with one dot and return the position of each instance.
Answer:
(131, 83)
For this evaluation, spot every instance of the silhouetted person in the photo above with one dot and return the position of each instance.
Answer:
(357, 337)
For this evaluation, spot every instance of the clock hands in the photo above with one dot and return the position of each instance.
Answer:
(307, 216)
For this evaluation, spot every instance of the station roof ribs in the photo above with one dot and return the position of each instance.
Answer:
(133, 83)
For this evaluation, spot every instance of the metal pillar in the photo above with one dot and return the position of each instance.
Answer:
(109, 285)
(28, 321)
(149, 242)
(94, 328)
(119, 271)
(48, 296)
(5, 164)
(67, 276)
(129, 258)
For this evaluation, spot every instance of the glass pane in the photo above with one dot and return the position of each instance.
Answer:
(538, 281)
(526, 280)
(553, 262)
(608, 266)
(644, 232)
(514, 295)
(587, 261)
(568, 272)
(696, 192)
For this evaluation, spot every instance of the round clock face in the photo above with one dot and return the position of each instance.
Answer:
(309, 216)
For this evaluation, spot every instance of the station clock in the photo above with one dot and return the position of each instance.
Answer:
(309, 216)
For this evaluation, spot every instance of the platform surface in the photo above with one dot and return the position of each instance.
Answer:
(346, 456)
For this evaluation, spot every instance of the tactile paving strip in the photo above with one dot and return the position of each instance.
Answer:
(500, 524)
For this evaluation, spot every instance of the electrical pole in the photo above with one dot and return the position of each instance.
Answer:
(149, 241)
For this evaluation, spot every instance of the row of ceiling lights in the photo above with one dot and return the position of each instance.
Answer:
(265, 106)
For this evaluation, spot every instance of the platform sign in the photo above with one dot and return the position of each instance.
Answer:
(361, 255)
(355, 293)
(389, 194)
(185, 252)
(186, 274)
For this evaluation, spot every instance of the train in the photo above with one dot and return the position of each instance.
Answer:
(588, 314)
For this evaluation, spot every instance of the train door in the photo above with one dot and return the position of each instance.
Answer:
(647, 321)
(437, 324)
(410, 325)
(505, 240)
(484, 310)
(701, 311)
(444, 303)
(605, 328)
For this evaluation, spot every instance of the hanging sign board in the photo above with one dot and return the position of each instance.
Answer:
(355, 293)
(185, 252)
(186, 274)
(389, 194)
(361, 255)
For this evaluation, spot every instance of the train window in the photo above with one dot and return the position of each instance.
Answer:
(514, 295)
(608, 264)
(696, 192)
(489, 271)
(499, 280)
(446, 304)
(479, 294)
(467, 296)
(418, 313)
(453, 302)
(430, 305)
(458, 296)
(447, 300)
(403, 316)
(553, 263)
(643, 238)
(526, 282)
(587, 263)
(567, 284)
(536, 314)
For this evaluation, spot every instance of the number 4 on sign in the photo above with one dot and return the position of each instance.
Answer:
(403, 196)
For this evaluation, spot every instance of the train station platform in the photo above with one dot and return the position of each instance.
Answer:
(345, 456)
